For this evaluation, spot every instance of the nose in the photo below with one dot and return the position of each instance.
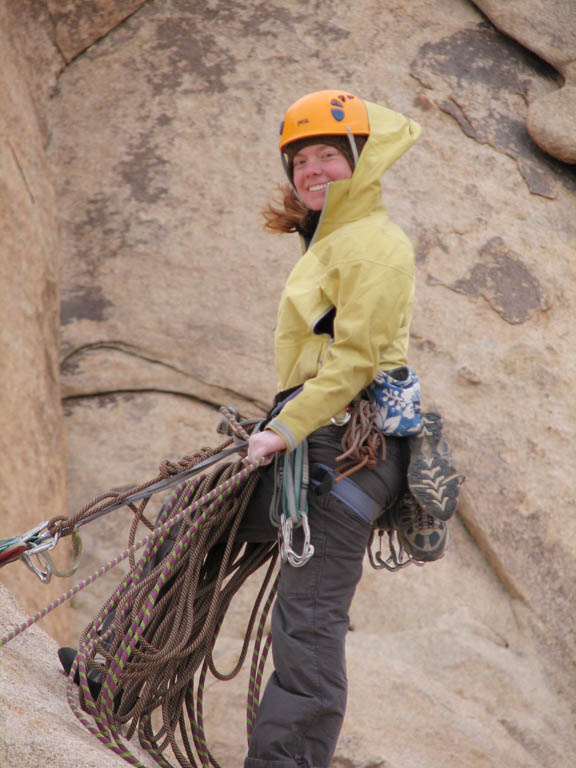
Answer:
(313, 168)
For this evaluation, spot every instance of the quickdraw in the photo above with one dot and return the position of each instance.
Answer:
(289, 509)
(38, 542)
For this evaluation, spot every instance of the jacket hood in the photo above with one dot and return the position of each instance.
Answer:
(391, 135)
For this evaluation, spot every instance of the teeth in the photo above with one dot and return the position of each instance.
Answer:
(317, 187)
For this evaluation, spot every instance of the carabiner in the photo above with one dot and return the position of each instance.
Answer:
(287, 553)
(39, 544)
(44, 575)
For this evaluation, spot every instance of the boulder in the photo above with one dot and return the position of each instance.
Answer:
(549, 30)
(556, 136)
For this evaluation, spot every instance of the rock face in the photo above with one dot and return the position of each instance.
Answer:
(36, 724)
(32, 470)
(549, 30)
(149, 130)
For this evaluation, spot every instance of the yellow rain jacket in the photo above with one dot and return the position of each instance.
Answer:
(361, 265)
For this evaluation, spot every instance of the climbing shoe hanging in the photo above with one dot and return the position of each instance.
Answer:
(432, 479)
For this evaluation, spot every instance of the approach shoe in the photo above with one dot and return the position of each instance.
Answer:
(94, 676)
(421, 534)
(431, 477)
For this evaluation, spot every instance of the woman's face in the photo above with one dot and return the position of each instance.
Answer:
(314, 167)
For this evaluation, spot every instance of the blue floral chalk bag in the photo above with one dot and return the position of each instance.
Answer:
(396, 397)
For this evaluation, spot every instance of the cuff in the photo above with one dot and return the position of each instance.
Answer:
(285, 433)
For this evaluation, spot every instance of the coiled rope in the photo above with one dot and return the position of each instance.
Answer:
(363, 442)
(157, 630)
(151, 645)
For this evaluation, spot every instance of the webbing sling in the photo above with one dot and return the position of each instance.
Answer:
(289, 508)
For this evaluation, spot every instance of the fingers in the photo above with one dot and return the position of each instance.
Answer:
(263, 446)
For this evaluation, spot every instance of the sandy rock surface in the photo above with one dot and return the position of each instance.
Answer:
(145, 142)
(37, 726)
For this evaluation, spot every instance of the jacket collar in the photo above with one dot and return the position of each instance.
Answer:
(391, 135)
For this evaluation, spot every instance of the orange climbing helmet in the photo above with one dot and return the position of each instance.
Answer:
(324, 113)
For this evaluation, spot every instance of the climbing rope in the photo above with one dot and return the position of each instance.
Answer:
(157, 630)
(151, 646)
(363, 442)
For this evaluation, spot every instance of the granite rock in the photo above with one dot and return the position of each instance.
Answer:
(152, 141)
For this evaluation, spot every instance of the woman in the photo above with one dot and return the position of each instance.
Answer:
(344, 315)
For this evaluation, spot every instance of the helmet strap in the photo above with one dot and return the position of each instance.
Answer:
(353, 147)
(287, 172)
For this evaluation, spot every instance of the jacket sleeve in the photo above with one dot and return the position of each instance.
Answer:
(373, 302)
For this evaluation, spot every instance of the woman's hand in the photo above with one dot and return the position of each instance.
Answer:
(264, 445)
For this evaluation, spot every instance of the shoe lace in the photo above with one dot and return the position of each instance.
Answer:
(422, 520)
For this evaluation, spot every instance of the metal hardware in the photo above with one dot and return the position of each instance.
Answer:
(396, 560)
(287, 553)
(344, 420)
(44, 574)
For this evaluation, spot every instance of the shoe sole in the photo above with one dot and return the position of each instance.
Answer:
(424, 555)
(432, 479)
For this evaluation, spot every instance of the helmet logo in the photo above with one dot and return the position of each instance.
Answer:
(337, 110)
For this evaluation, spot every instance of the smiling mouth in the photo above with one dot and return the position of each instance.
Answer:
(318, 187)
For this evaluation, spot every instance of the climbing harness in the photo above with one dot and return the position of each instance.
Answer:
(364, 443)
(325, 480)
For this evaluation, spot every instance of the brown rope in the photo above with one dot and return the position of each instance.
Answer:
(185, 623)
(64, 525)
(159, 676)
(363, 442)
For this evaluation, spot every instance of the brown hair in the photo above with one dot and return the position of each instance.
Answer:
(285, 213)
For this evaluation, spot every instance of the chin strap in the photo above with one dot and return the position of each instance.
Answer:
(353, 147)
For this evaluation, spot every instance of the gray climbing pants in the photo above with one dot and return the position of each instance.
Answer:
(303, 705)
